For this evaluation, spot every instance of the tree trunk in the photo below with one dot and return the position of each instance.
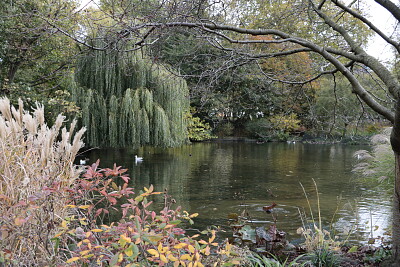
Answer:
(12, 70)
(395, 142)
(396, 213)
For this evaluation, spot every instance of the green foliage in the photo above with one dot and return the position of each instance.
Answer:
(260, 127)
(128, 101)
(262, 261)
(35, 55)
(54, 102)
(324, 258)
(338, 111)
(224, 129)
(29, 46)
(380, 255)
(140, 235)
(285, 123)
(198, 130)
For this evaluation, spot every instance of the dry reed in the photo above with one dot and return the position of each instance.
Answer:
(33, 158)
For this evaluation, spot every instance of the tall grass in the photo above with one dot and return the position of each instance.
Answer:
(377, 166)
(315, 236)
(35, 161)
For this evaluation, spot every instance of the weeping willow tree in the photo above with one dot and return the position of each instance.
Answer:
(129, 101)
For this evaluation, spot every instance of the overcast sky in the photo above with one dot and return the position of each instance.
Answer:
(385, 22)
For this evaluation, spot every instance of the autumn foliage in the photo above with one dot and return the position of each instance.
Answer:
(55, 213)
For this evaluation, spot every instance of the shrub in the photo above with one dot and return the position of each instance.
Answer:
(224, 129)
(260, 127)
(35, 161)
(285, 123)
(198, 130)
(138, 233)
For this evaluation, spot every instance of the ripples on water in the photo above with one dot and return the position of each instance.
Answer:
(216, 179)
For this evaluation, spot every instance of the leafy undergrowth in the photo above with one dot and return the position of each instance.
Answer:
(138, 235)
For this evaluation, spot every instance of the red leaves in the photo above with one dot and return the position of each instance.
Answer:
(92, 172)
(116, 171)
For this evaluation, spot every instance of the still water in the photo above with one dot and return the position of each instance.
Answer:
(217, 179)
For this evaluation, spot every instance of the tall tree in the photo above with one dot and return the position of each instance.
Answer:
(35, 56)
(128, 101)
(30, 47)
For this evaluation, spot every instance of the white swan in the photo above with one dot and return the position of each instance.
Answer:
(138, 159)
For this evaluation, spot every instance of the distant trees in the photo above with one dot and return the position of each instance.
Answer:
(36, 56)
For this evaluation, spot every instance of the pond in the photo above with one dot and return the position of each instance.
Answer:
(218, 179)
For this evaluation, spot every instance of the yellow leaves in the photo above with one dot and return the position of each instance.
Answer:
(191, 248)
(180, 245)
(172, 258)
(147, 192)
(206, 251)
(151, 188)
(123, 240)
(154, 238)
(285, 123)
(153, 252)
(194, 215)
(97, 230)
(70, 206)
(114, 186)
(186, 257)
(129, 251)
(84, 206)
(84, 252)
(162, 249)
(163, 258)
(58, 234)
(72, 259)
(211, 239)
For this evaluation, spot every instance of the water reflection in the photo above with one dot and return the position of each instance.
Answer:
(216, 179)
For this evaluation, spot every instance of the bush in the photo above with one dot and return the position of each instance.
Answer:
(285, 123)
(35, 161)
(198, 130)
(259, 127)
(53, 213)
(224, 129)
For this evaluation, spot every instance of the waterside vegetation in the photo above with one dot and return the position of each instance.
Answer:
(58, 213)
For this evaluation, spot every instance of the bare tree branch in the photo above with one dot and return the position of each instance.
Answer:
(369, 24)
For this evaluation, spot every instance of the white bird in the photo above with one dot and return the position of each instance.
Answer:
(138, 159)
